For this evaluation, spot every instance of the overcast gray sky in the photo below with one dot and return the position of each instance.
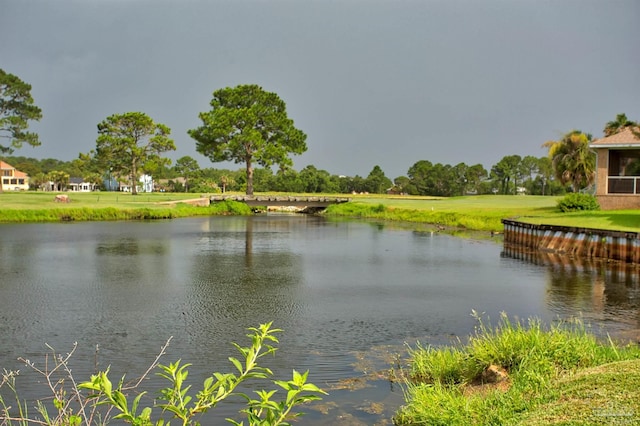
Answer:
(375, 82)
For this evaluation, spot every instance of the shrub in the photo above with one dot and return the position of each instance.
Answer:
(577, 201)
(112, 402)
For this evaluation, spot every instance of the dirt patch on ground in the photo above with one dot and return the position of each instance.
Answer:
(202, 202)
(493, 378)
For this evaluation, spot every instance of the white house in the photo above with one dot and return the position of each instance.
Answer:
(79, 185)
(146, 185)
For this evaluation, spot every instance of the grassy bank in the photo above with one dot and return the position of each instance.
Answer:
(483, 213)
(524, 374)
(41, 207)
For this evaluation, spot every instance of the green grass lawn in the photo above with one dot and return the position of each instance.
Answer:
(483, 212)
(45, 200)
(18, 207)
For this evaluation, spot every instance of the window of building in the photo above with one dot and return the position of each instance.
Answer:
(624, 172)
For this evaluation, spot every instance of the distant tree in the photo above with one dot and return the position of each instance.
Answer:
(619, 124)
(545, 173)
(475, 175)
(573, 161)
(59, 178)
(94, 178)
(203, 184)
(30, 168)
(86, 163)
(313, 180)
(228, 180)
(437, 179)
(38, 181)
(187, 167)
(310, 180)
(377, 182)
(440, 181)
(401, 183)
(506, 171)
(288, 180)
(163, 171)
(248, 125)
(355, 184)
(419, 174)
(76, 168)
(127, 142)
(328, 184)
(224, 181)
(262, 179)
(529, 167)
(337, 184)
(50, 164)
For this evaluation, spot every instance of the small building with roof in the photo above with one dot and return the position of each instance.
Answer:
(618, 169)
(77, 184)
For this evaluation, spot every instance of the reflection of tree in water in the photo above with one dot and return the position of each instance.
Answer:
(126, 274)
(128, 257)
(633, 168)
(242, 279)
(611, 291)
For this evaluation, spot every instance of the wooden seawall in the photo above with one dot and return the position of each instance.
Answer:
(581, 242)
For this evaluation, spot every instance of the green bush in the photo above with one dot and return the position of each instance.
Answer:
(108, 402)
(578, 201)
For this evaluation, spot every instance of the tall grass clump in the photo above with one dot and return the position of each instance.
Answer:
(230, 207)
(476, 220)
(356, 210)
(443, 366)
(500, 372)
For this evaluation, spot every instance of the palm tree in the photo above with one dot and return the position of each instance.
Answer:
(619, 124)
(59, 178)
(226, 180)
(573, 162)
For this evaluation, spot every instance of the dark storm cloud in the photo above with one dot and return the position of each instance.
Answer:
(371, 82)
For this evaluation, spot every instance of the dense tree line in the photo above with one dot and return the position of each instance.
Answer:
(249, 125)
(535, 175)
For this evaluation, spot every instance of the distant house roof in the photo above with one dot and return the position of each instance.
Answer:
(624, 139)
(16, 173)
(76, 180)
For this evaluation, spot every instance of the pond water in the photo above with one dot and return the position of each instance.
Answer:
(349, 295)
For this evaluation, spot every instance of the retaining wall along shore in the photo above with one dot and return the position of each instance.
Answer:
(584, 242)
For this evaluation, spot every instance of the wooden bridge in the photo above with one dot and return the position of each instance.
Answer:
(303, 204)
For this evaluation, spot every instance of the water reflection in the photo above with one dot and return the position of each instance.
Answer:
(235, 283)
(347, 294)
(603, 292)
